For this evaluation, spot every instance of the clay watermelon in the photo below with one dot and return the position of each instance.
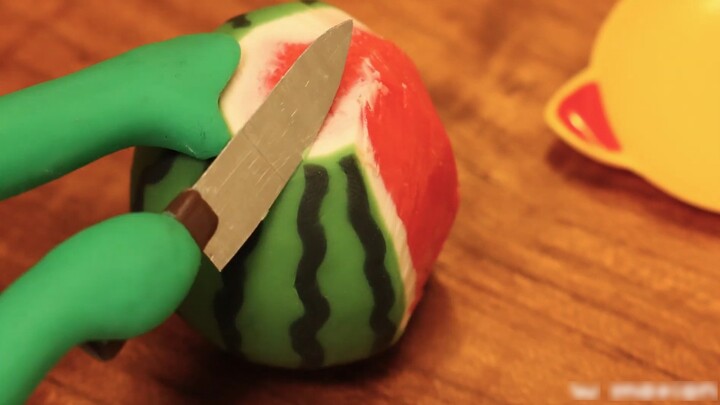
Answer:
(334, 272)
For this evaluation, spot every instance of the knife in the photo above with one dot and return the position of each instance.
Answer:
(263, 155)
(259, 160)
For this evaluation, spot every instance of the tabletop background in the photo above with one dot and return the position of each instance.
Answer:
(557, 270)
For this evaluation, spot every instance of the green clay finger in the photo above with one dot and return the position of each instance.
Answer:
(164, 94)
(115, 280)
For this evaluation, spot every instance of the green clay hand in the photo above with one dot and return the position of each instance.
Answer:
(164, 94)
(115, 280)
(125, 276)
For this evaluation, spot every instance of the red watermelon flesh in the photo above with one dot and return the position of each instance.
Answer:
(410, 145)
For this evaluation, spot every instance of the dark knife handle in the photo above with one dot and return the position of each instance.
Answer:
(198, 217)
(191, 210)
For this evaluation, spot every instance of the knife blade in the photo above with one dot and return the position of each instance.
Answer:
(223, 208)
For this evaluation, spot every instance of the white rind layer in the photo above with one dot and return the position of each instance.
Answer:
(346, 126)
(259, 47)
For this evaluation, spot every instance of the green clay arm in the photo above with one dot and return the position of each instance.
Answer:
(164, 94)
(115, 280)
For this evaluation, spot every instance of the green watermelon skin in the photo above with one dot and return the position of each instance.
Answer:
(317, 284)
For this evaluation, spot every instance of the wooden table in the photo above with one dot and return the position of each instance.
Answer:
(557, 270)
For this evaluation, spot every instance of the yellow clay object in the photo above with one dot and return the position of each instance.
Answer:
(649, 101)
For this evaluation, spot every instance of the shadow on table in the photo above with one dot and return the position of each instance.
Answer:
(215, 377)
(629, 190)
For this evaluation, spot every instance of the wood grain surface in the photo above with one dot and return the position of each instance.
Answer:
(557, 270)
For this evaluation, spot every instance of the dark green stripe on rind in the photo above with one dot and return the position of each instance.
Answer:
(372, 239)
(229, 299)
(244, 23)
(303, 331)
(240, 21)
(152, 174)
